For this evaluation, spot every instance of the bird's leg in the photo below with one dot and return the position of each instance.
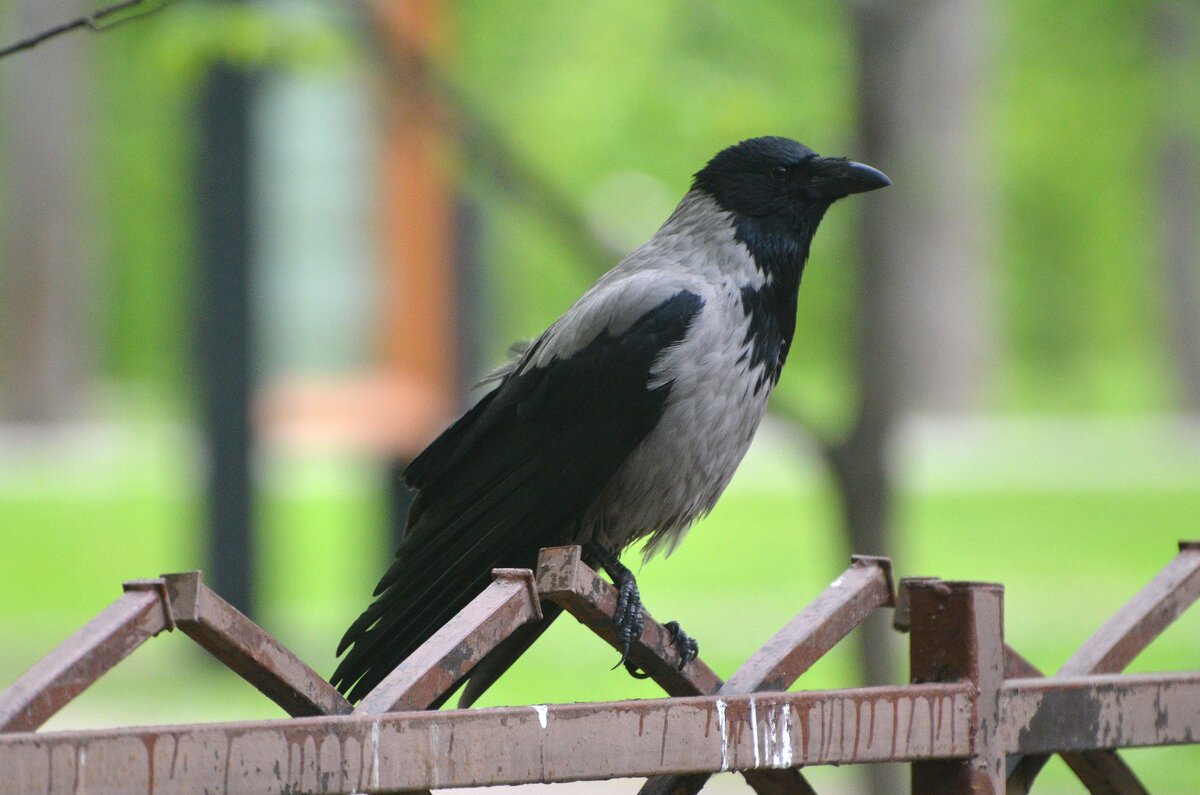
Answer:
(627, 618)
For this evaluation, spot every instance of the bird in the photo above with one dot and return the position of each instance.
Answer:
(624, 420)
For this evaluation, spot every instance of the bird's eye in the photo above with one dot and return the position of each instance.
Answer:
(780, 173)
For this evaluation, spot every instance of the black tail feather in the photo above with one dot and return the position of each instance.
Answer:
(516, 473)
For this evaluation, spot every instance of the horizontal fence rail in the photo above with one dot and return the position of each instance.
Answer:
(978, 717)
(512, 745)
(572, 742)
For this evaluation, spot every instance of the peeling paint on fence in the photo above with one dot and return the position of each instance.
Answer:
(724, 729)
(962, 708)
(404, 751)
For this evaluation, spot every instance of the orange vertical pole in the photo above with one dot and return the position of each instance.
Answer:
(410, 395)
(418, 213)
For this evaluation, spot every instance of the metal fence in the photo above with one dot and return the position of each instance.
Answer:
(977, 717)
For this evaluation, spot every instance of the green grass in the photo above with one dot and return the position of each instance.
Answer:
(72, 527)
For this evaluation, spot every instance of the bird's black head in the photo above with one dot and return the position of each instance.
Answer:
(781, 179)
(778, 190)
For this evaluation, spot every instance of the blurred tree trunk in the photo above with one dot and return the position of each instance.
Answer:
(926, 338)
(1178, 43)
(45, 342)
(926, 332)
(928, 325)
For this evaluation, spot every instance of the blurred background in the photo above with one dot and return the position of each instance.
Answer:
(253, 256)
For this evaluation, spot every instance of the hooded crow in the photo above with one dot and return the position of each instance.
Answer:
(624, 420)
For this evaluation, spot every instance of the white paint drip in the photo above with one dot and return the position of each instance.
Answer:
(375, 755)
(436, 755)
(542, 713)
(724, 734)
(754, 732)
(838, 582)
(785, 736)
(770, 738)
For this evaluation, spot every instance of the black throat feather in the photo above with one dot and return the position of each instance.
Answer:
(780, 251)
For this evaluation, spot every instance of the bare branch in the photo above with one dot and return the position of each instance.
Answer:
(90, 21)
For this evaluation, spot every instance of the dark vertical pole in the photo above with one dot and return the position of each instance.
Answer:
(224, 331)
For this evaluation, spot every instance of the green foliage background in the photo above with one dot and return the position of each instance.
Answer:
(588, 95)
(1067, 116)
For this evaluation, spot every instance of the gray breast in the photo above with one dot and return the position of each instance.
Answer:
(678, 472)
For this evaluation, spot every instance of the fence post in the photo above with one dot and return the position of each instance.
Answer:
(957, 633)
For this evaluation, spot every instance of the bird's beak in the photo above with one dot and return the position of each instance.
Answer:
(835, 178)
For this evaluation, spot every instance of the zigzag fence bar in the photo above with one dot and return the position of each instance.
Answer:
(1109, 650)
(138, 615)
(248, 650)
(440, 663)
(976, 703)
(147, 608)
(816, 629)
(564, 578)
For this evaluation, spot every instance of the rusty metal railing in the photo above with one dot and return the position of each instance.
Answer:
(977, 717)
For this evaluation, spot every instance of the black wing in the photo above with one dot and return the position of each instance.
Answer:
(512, 475)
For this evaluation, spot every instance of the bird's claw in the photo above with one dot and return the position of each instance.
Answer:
(634, 671)
(687, 646)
